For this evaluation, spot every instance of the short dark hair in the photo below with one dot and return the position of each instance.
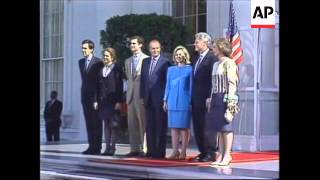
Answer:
(139, 39)
(90, 43)
(54, 94)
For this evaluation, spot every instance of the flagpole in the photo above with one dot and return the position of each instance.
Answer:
(257, 90)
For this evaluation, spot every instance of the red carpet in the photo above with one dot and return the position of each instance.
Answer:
(237, 157)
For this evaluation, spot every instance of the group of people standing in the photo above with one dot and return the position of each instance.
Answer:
(161, 96)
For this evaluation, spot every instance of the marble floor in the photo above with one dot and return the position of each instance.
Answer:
(64, 160)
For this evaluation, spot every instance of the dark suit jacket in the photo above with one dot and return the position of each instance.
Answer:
(153, 87)
(111, 87)
(202, 80)
(52, 112)
(89, 78)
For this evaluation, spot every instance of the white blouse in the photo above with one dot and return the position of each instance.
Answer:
(225, 77)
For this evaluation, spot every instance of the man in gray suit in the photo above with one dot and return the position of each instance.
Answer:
(136, 110)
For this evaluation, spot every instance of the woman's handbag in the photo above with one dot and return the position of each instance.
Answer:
(232, 103)
(232, 107)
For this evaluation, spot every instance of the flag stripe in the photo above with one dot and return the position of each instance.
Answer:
(235, 47)
(234, 36)
(239, 60)
(237, 55)
(236, 52)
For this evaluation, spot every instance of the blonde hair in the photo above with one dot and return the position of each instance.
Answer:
(185, 55)
(224, 46)
(112, 52)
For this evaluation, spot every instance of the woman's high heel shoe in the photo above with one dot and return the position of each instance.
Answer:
(226, 161)
(174, 155)
(218, 159)
(183, 156)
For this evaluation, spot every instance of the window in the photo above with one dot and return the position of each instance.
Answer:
(51, 35)
(192, 13)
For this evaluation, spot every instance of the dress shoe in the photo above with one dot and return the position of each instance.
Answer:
(206, 158)
(198, 157)
(108, 153)
(174, 155)
(135, 153)
(88, 151)
(98, 152)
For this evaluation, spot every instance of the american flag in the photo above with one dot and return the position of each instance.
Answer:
(234, 36)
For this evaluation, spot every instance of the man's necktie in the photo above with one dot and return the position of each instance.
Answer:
(87, 63)
(153, 64)
(197, 64)
(135, 62)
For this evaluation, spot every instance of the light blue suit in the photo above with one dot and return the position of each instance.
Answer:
(178, 95)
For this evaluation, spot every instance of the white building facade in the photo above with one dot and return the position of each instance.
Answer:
(65, 23)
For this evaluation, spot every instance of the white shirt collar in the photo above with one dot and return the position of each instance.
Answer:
(156, 58)
(89, 57)
(203, 54)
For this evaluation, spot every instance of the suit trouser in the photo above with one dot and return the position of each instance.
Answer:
(136, 124)
(204, 136)
(156, 131)
(198, 117)
(52, 130)
(110, 134)
(93, 125)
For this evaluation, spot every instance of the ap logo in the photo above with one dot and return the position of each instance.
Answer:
(263, 14)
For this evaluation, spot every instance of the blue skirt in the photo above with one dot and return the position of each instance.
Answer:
(179, 119)
(215, 117)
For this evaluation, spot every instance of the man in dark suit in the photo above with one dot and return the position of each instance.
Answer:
(202, 69)
(52, 113)
(89, 70)
(152, 87)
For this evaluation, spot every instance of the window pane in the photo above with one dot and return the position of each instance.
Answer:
(58, 70)
(244, 120)
(54, 46)
(47, 70)
(202, 23)
(46, 47)
(54, 5)
(60, 54)
(55, 23)
(269, 113)
(53, 70)
(177, 8)
(191, 24)
(190, 7)
(202, 6)
(268, 59)
(246, 68)
(61, 23)
(46, 25)
(45, 6)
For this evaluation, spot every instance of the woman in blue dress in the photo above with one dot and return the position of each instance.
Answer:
(177, 101)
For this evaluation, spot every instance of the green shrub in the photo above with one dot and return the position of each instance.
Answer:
(120, 28)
